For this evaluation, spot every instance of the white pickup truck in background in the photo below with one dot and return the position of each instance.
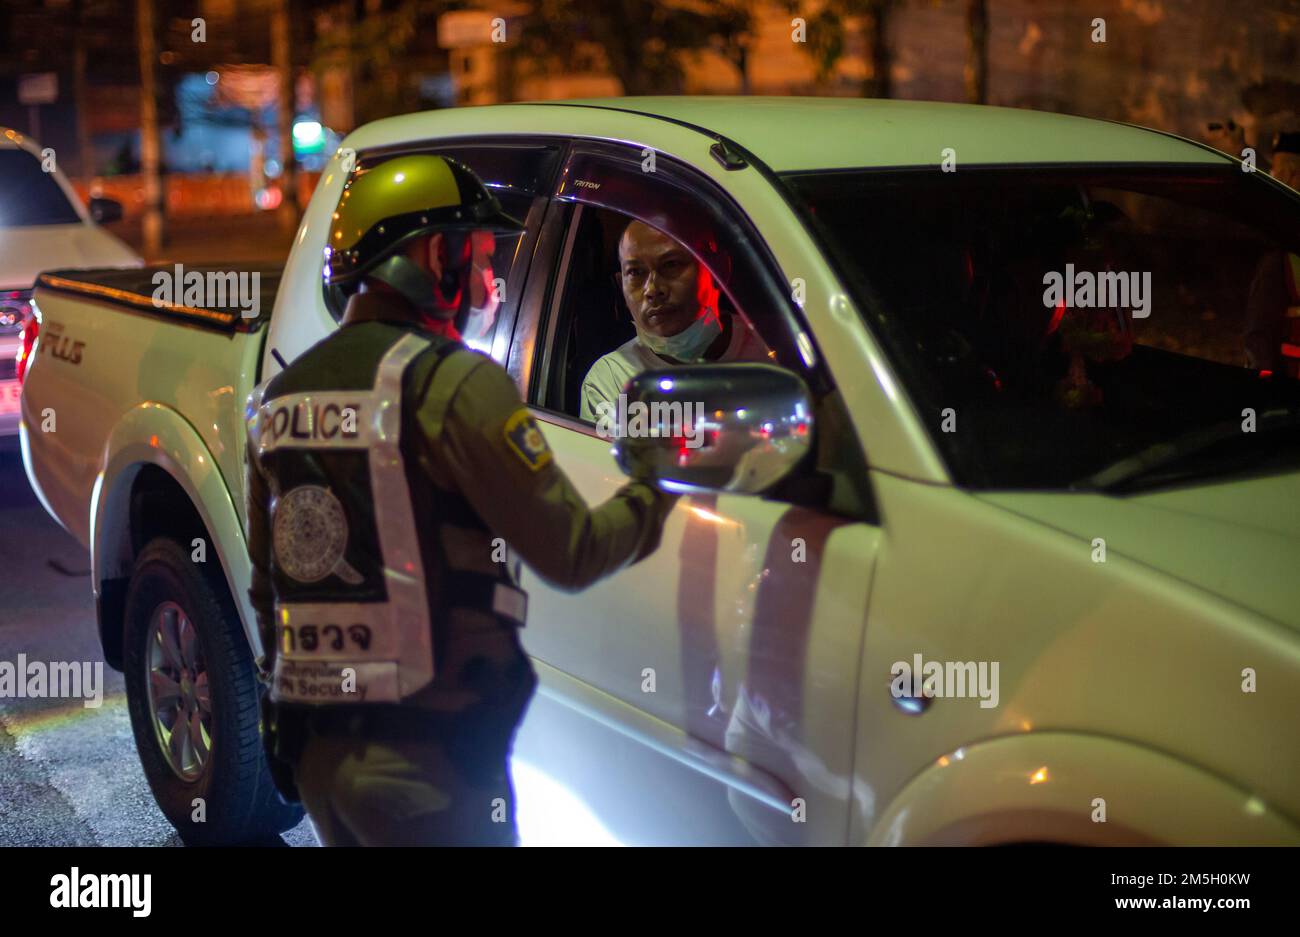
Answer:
(1133, 618)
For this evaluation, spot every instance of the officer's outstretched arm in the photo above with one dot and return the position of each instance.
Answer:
(487, 446)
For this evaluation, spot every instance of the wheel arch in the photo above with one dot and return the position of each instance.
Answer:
(158, 478)
(1042, 787)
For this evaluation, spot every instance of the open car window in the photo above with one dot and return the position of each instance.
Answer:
(589, 317)
(595, 341)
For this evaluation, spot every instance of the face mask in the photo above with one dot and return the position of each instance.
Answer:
(690, 343)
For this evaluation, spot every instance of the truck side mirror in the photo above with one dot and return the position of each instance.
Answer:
(738, 428)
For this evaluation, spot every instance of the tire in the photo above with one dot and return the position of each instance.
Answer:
(183, 642)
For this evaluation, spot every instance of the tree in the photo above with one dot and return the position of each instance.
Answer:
(733, 35)
(828, 26)
(150, 140)
(381, 50)
(281, 56)
(977, 52)
(827, 38)
(642, 41)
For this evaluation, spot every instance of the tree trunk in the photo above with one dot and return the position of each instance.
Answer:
(282, 61)
(85, 158)
(150, 142)
(876, 29)
(977, 51)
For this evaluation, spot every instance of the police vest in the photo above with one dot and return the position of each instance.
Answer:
(361, 584)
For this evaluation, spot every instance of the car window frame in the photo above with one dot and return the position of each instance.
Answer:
(528, 326)
(548, 324)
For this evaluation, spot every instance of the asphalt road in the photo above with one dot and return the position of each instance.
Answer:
(69, 774)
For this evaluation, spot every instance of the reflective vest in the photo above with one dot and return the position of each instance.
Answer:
(1291, 321)
(361, 583)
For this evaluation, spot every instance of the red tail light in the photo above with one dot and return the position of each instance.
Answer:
(30, 330)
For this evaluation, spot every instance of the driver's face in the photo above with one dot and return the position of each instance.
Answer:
(661, 280)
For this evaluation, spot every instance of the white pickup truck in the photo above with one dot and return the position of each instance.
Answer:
(1032, 576)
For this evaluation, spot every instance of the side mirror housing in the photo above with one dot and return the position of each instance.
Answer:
(104, 210)
(737, 428)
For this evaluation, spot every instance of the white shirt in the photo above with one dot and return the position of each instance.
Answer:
(605, 381)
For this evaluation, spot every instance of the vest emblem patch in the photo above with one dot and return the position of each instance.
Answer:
(309, 533)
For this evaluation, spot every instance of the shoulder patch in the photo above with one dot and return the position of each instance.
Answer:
(523, 436)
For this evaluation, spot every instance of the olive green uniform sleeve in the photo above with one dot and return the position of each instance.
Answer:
(257, 498)
(483, 443)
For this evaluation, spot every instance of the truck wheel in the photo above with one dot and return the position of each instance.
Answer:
(193, 695)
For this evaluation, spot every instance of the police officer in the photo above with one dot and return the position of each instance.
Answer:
(388, 468)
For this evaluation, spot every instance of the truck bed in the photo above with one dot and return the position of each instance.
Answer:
(134, 288)
(115, 370)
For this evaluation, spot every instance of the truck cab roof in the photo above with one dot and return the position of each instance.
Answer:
(792, 134)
